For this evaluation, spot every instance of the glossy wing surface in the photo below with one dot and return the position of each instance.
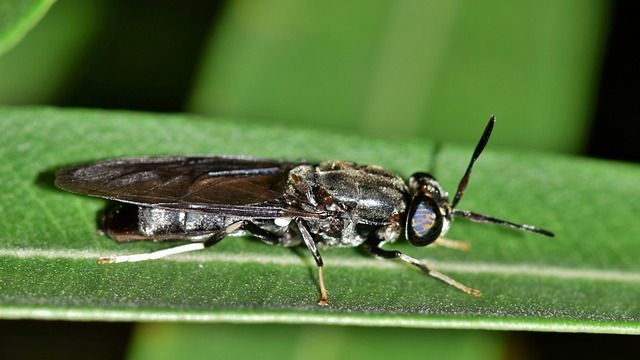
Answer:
(222, 184)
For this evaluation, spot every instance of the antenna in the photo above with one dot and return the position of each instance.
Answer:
(477, 217)
(480, 218)
(476, 153)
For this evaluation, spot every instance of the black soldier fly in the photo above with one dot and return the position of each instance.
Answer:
(330, 204)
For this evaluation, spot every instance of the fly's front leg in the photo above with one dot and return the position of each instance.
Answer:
(452, 244)
(372, 245)
(311, 245)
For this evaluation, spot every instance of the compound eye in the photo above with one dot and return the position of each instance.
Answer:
(424, 223)
(422, 220)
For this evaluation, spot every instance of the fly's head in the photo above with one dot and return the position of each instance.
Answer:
(429, 213)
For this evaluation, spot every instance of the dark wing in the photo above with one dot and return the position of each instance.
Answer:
(226, 185)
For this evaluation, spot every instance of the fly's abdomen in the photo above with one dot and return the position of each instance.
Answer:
(130, 223)
(162, 221)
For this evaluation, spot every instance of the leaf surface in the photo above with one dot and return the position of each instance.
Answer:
(587, 278)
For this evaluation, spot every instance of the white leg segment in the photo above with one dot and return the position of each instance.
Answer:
(166, 252)
(438, 275)
(151, 256)
(452, 244)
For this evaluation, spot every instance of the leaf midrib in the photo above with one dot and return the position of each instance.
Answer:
(469, 267)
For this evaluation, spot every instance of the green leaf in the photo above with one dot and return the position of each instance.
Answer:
(584, 279)
(17, 17)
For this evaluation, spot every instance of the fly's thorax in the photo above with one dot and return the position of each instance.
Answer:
(350, 196)
(345, 234)
(370, 194)
(301, 182)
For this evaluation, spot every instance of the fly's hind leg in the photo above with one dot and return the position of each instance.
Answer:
(264, 235)
(373, 247)
(211, 240)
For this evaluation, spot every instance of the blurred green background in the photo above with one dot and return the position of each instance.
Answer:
(391, 69)
(388, 69)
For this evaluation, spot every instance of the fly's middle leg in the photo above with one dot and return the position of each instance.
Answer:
(311, 245)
